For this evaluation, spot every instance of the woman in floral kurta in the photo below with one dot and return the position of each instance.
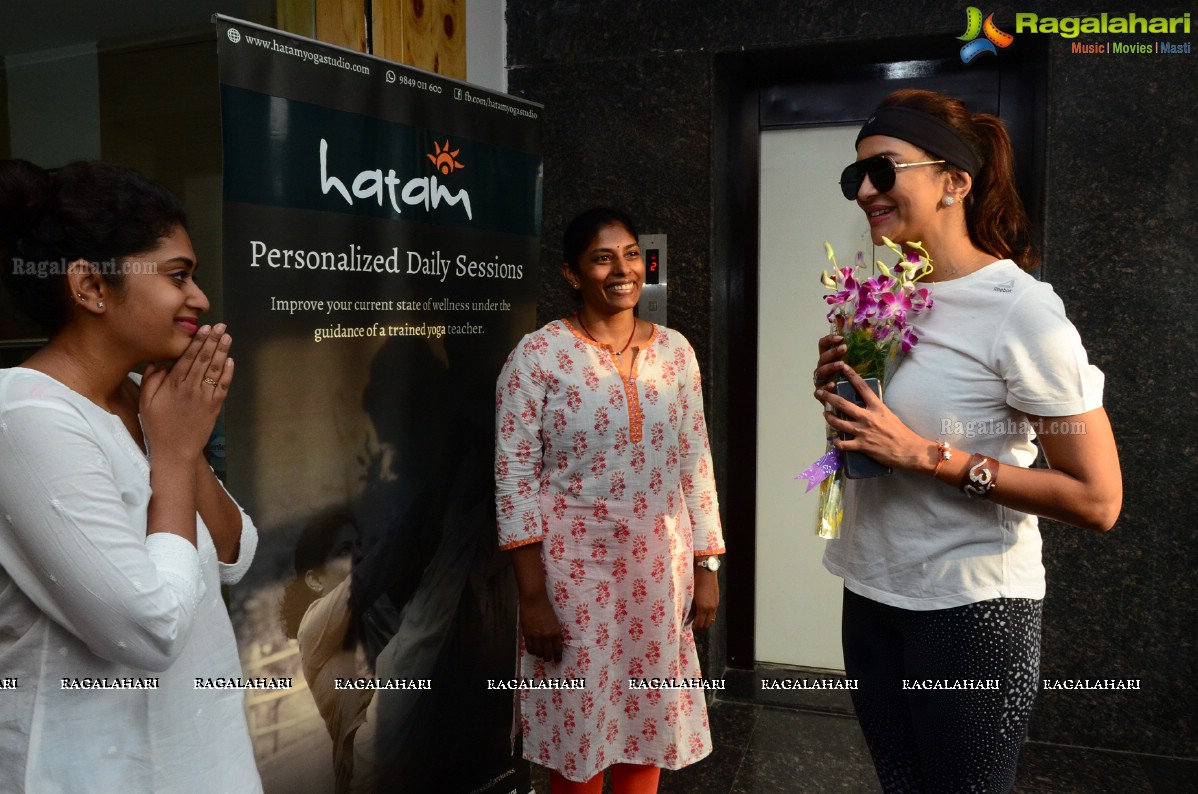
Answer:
(602, 459)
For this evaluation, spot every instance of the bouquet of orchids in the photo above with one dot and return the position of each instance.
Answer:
(874, 318)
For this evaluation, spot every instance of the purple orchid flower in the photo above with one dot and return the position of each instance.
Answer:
(896, 304)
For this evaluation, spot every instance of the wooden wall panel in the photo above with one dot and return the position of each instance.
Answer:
(427, 34)
(386, 29)
(296, 16)
(342, 22)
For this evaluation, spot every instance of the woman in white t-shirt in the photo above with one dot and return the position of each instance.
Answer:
(115, 535)
(941, 560)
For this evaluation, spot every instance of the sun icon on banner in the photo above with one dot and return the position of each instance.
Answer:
(443, 159)
(975, 46)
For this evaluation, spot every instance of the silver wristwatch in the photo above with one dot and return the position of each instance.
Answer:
(711, 563)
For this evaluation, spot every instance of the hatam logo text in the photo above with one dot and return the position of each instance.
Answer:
(374, 184)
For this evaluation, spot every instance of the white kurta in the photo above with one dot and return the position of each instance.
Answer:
(84, 593)
(614, 478)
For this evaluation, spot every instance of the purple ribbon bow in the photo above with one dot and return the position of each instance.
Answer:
(821, 470)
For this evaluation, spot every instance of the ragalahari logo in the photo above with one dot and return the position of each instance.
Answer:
(975, 27)
(443, 159)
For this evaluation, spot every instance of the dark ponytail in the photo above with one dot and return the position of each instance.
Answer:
(86, 210)
(994, 213)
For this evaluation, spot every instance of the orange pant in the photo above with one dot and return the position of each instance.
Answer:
(625, 779)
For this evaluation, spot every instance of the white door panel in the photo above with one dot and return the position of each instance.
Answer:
(798, 602)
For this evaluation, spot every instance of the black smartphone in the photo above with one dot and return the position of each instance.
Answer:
(858, 465)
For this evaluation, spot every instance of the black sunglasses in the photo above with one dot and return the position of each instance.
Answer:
(881, 171)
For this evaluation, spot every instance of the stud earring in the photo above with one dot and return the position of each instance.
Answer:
(949, 201)
(100, 304)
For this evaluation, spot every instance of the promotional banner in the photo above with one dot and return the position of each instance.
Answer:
(381, 235)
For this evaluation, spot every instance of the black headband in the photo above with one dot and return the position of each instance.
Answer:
(925, 131)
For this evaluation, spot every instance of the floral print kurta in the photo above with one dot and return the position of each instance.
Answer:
(614, 478)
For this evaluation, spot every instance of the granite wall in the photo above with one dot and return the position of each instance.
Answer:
(630, 102)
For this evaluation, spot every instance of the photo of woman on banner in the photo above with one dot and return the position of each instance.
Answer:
(315, 611)
(607, 503)
(115, 535)
(429, 590)
(942, 560)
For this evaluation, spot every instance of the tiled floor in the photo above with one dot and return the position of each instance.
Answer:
(766, 749)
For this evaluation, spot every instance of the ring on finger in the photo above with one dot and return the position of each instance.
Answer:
(210, 382)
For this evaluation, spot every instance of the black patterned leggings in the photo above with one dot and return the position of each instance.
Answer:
(943, 696)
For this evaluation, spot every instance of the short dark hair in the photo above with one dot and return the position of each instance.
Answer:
(585, 227)
(312, 551)
(94, 211)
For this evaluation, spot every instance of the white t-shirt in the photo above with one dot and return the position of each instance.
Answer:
(995, 347)
(85, 594)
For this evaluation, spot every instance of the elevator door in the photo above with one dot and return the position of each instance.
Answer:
(790, 122)
(798, 602)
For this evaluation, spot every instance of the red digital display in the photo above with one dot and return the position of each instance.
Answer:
(652, 266)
